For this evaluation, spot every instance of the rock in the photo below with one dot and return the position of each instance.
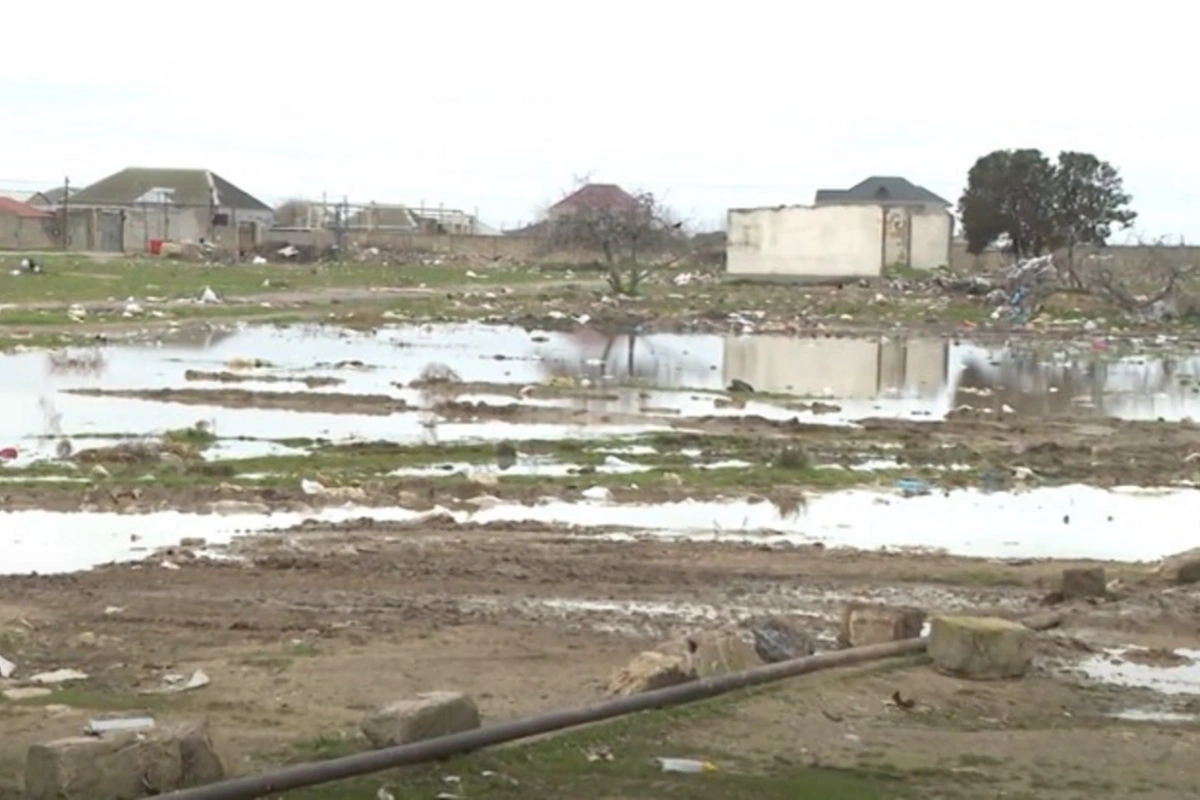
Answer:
(776, 639)
(864, 624)
(1084, 582)
(713, 652)
(737, 385)
(649, 671)
(193, 541)
(1182, 567)
(426, 717)
(123, 765)
(981, 648)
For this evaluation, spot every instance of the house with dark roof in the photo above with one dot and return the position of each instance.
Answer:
(51, 198)
(879, 223)
(139, 206)
(592, 197)
(25, 227)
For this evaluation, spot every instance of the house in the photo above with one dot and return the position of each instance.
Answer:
(51, 198)
(133, 208)
(24, 227)
(592, 196)
(857, 232)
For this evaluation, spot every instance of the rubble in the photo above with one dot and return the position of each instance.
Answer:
(425, 717)
(980, 648)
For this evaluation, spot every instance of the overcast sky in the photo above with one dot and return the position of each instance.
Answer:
(497, 106)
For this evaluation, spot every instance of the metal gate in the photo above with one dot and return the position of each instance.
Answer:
(111, 228)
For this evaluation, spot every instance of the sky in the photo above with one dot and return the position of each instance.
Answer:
(499, 107)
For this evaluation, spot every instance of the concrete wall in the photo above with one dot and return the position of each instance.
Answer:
(932, 232)
(1129, 257)
(804, 241)
(512, 247)
(19, 233)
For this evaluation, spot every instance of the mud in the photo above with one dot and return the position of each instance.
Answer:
(377, 405)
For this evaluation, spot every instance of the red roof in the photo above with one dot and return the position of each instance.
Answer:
(15, 208)
(596, 195)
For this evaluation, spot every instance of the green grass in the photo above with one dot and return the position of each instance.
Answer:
(558, 767)
(70, 279)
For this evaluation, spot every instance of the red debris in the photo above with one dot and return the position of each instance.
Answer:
(8, 453)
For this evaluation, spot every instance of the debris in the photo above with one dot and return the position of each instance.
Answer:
(651, 670)
(600, 493)
(209, 296)
(739, 386)
(685, 765)
(980, 648)
(288, 251)
(8, 453)
(598, 753)
(123, 764)
(58, 676)
(7, 668)
(1084, 583)
(426, 717)
(900, 702)
(912, 487)
(26, 693)
(258, 261)
(173, 684)
(96, 727)
(864, 623)
(776, 639)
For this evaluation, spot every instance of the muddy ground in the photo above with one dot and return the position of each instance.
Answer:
(530, 617)
(287, 635)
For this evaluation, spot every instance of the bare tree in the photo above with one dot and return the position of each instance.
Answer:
(633, 234)
(1156, 284)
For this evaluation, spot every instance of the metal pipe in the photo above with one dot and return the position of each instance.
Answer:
(314, 773)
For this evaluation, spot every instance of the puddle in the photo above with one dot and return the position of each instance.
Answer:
(1114, 667)
(866, 376)
(1148, 715)
(1102, 524)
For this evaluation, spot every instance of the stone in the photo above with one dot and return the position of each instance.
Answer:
(980, 648)
(1084, 582)
(427, 716)
(124, 765)
(713, 652)
(649, 671)
(776, 639)
(1182, 567)
(865, 624)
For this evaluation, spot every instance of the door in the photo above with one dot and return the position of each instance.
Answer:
(897, 223)
(247, 236)
(111, 225)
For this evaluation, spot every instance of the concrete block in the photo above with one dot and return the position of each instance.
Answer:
(864, 624)
(1080, 583)
(427, 716)
(123, 766)
(649, 671)
(713, 652)
(981, 648)
(1182, 567)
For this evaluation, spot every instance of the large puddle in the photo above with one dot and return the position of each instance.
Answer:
(1067, 522)
(655, 376)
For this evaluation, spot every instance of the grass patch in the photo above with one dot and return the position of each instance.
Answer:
(558, 766)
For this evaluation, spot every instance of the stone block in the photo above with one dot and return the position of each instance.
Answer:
(713, 652)
(649, 671)
(777, 639)
(864, 624)
(1080, 583)
(123, 766)
(1182, 567)
(980, 648)
(426, 716)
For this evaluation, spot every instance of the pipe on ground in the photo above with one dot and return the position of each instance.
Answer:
(315, 773)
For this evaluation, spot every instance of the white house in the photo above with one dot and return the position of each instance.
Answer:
(857, 232)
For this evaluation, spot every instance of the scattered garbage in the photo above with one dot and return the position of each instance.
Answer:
(26, 693)
(173, 684)
(686, 765)
(209, 296)
(97, 727)
(58, 676)
(258, 261)
(912, 487)
(598, 753)
(7, 668)
(602, 493)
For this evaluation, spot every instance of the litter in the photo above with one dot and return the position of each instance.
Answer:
(686, 765)
(8, 453)
(912, 487)
(7, 668)
(96, 727)
(176, 683)
(58, 676)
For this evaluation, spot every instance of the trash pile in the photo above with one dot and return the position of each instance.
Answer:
(1016, 292)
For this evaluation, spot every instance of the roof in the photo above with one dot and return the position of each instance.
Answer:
(596, 195)
(187, 187)
(881, 189)
(15, 208)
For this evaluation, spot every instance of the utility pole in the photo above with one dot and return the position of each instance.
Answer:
(66, 216)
